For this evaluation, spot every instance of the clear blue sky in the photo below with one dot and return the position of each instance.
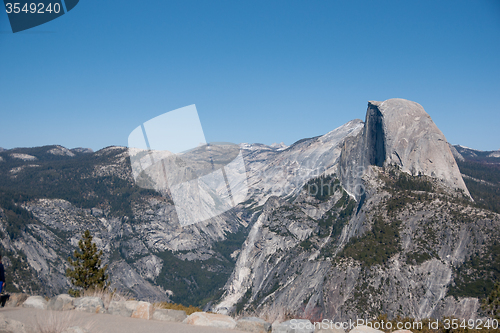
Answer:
(258, 71)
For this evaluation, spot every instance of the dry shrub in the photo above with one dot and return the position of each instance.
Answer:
(58, 322)
(107, 296)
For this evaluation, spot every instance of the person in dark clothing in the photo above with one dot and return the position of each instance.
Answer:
(2, 275)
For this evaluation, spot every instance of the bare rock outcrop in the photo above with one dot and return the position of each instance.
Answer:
(210, 319)
(37, 302)
(61, 303)
(455, 153)
(169, 315)
(400, 132)
(89, 304)
(253, 324)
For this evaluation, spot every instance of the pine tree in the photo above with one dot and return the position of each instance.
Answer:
(492, 303)
(87, 273)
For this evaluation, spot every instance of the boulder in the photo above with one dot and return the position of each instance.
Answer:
(61, 302)
(16, 299)
(365, 329)
(294, 326)
(124, 308)
(210, 319)
(8, 325)
(89, 304)
(169, 315)
(328, 326)
(253, 324)
(37, 302)
(144, 310)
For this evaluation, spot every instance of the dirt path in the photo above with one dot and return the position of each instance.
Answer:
(101, 323)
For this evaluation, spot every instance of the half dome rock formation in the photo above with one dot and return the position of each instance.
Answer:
(396, 248)
(400, 132)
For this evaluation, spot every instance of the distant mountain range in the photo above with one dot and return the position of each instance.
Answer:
(380, 215)
(478, 155)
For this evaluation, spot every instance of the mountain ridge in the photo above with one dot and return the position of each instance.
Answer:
(379, 151)
(49, 200)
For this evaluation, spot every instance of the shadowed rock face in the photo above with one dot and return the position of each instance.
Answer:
(411, 140)
(400, 132)
(374, 136)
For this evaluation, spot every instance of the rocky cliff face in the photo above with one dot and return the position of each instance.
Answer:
(399, 243)
(399, 132)
(412, 141)
(46, 207)
(372, 217)
(404, 253)
(282, 172)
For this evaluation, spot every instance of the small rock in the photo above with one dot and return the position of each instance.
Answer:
(210, 319)
(37, 302)
(76, 329)
(294, 326)
(253, 324)
(15, 300)
(144, 310)
(124, 308)
(365, 329)
(89, 304)
(61, 302)
(169, 315)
